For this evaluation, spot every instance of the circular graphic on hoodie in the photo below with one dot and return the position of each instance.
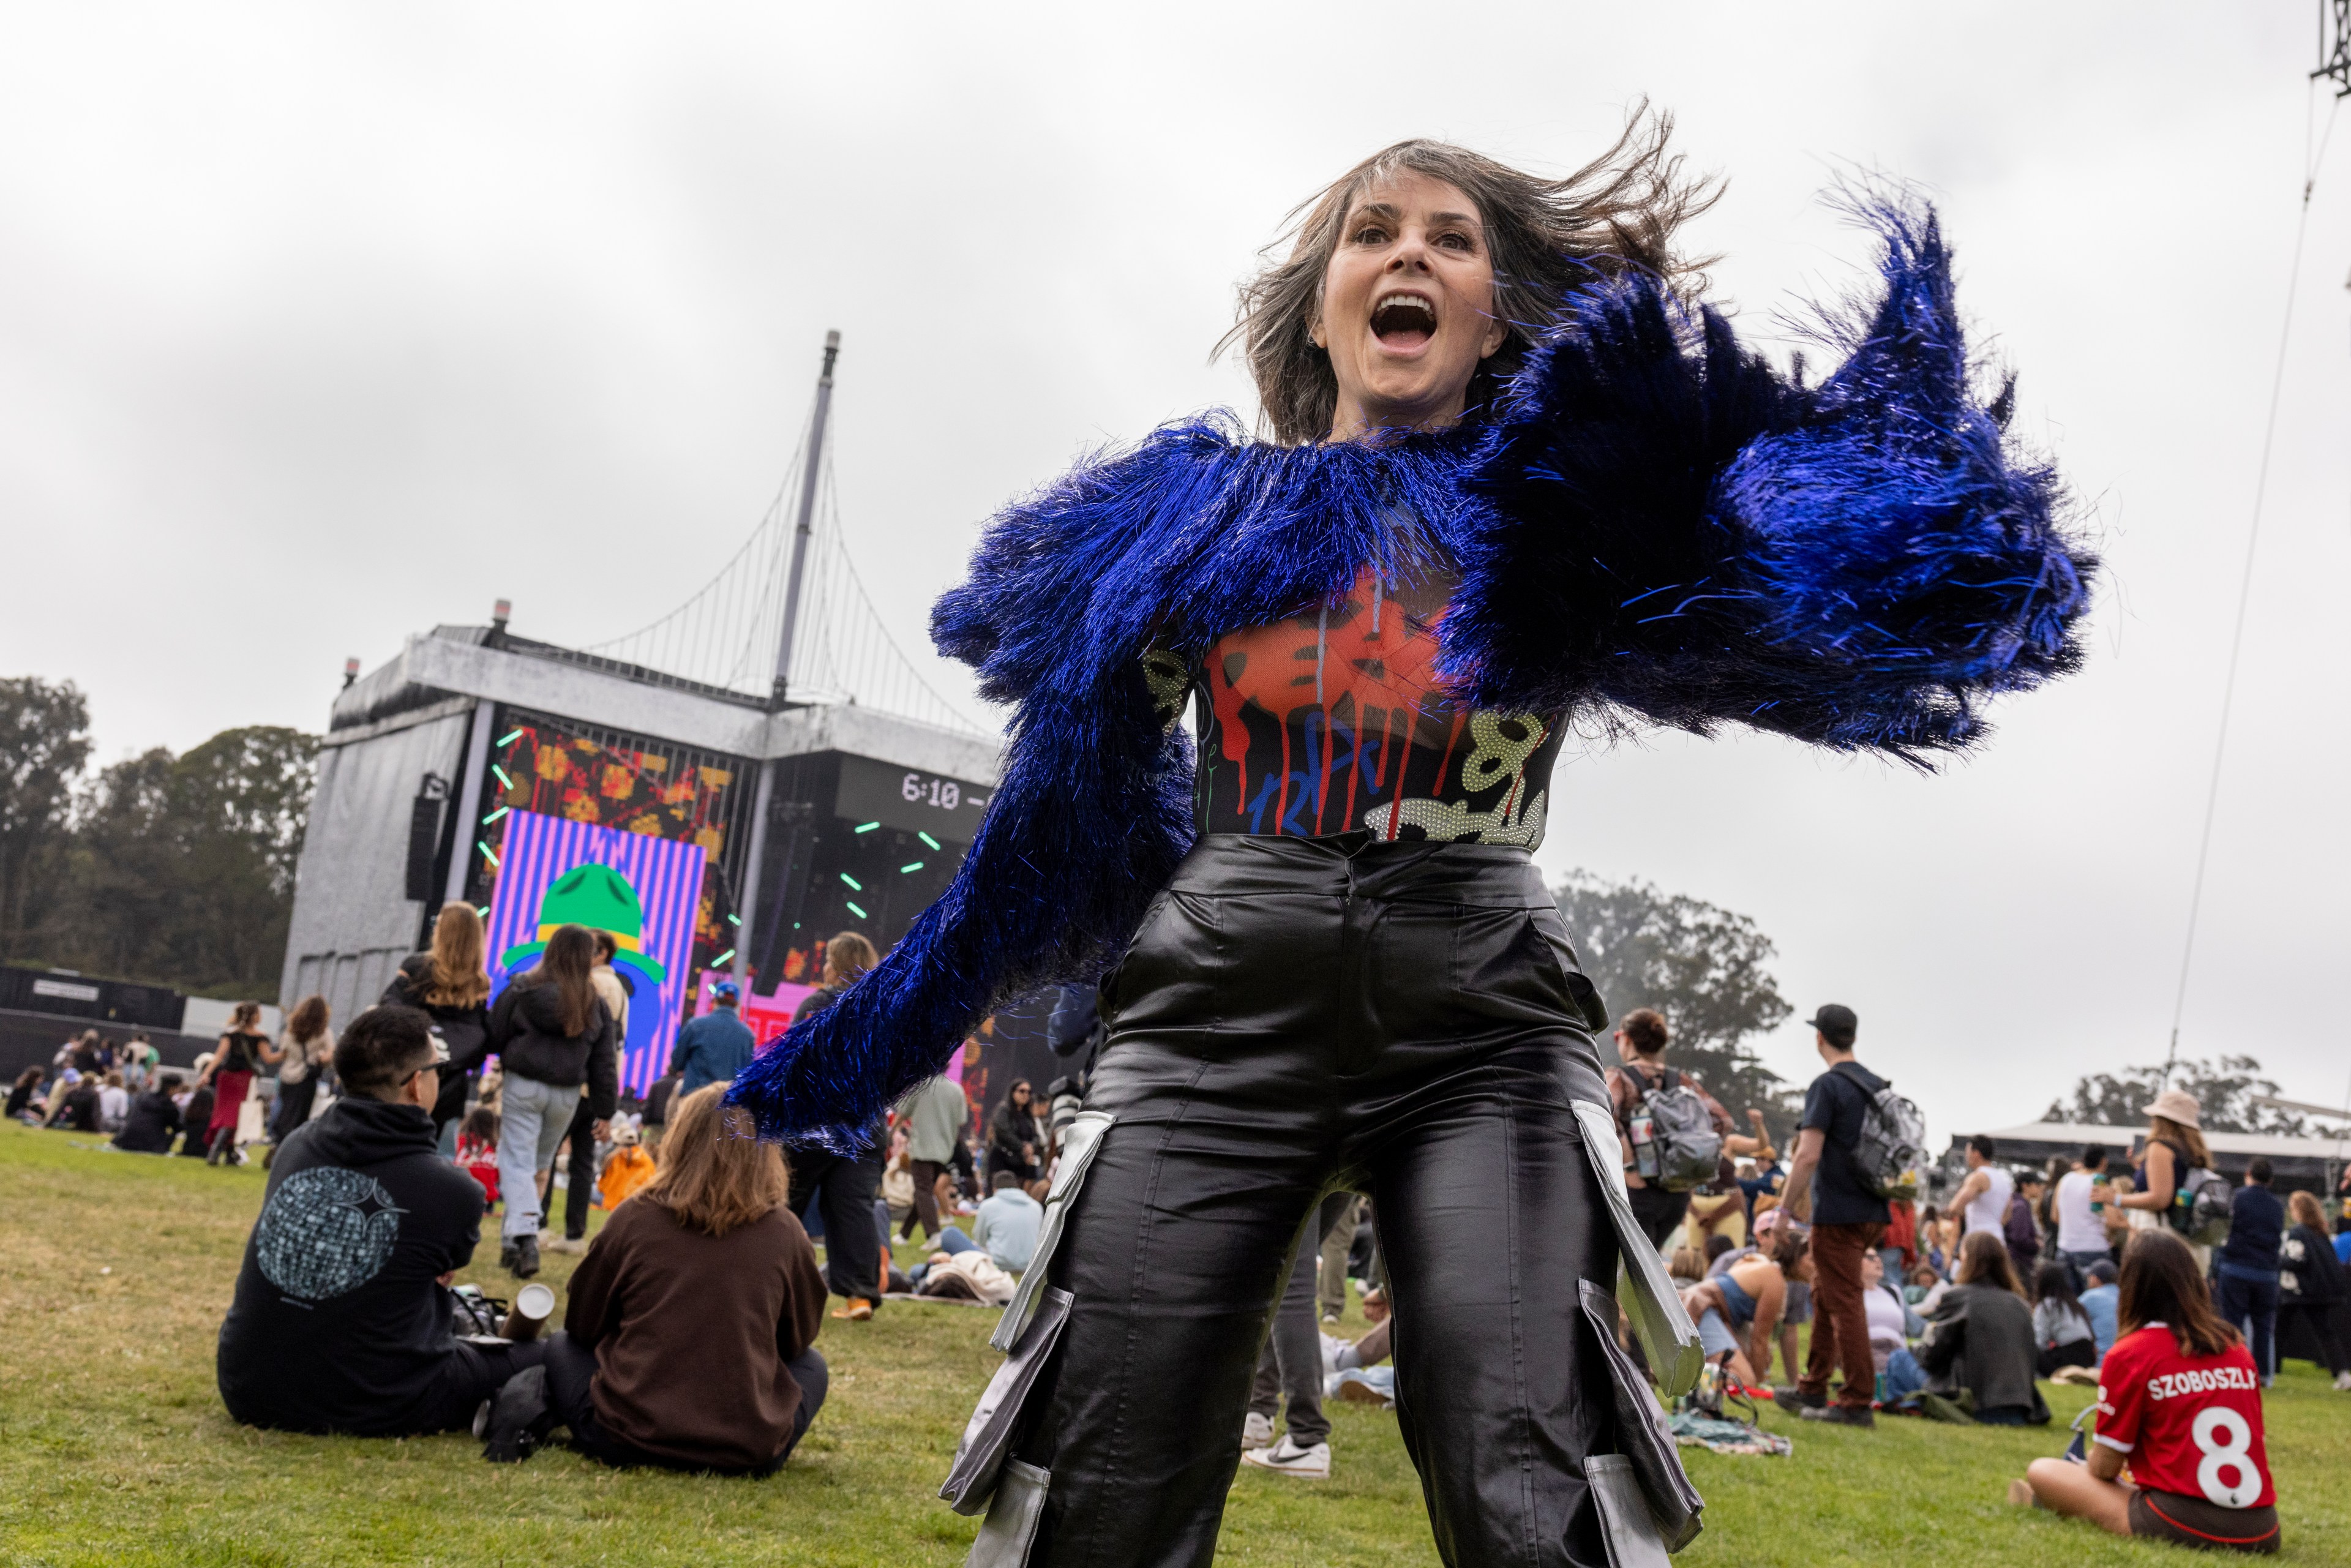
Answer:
(325, 1231)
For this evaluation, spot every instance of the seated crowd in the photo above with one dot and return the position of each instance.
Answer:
(688, 1338)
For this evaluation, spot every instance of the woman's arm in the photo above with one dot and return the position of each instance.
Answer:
(1684, 534)
(2162, 1182)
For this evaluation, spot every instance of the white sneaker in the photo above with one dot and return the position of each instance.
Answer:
(2343, 1382)
(563, 1244)
(1331, 1346)
(1286, 1457)
(1257, 1432)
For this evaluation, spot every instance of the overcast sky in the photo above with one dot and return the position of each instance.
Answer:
(321, 325)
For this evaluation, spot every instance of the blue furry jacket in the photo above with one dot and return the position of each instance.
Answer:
(1653, 527)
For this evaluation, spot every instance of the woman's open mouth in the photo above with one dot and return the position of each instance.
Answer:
(1404, 322)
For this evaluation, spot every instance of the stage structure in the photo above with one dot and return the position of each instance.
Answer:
(722, 790)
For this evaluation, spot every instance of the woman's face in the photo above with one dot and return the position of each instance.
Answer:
(1020, 1094)
(1873, 1269)
(1408, 307)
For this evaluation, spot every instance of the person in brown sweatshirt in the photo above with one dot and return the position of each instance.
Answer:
(689, 1338)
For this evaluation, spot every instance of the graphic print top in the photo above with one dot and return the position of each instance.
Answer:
(1333, 721)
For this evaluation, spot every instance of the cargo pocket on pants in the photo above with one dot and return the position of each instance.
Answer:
(1078, 1142)
(1667, 1337)
(1010, 1528)
(1644, 1494)
(980, 1471)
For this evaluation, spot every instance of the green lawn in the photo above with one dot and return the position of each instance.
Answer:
(114, 1270)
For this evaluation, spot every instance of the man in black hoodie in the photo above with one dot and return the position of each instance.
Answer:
(342, 1317)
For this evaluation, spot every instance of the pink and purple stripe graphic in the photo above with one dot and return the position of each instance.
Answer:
(667, 876)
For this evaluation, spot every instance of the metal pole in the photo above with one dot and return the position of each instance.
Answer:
(808, 510)
(758, 852)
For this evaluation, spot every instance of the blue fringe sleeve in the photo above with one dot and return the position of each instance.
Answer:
(1683, 533)
(1088, 821)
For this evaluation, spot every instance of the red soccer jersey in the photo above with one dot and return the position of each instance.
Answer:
(2191, 1424)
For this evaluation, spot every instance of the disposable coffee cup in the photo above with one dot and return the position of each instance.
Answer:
(533, 1305)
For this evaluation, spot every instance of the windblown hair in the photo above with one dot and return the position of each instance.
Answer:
(565, 964)
(2161, 1284)
(716, 1175)
(459, 974)
(1646, 1028)
(246, 1016)
(1984, 1260)
(1616, 214)
(308, 1020)
(847, 956)
(2186, 1138)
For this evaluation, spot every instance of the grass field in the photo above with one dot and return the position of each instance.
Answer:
(115, 1270)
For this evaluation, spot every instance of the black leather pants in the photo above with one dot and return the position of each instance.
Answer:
(1297, 1016)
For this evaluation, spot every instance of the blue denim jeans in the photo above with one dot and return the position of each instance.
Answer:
(2249, 1299)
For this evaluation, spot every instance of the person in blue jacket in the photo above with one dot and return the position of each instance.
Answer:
(714, 1046)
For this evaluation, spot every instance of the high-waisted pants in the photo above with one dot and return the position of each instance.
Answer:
(1297, 1016)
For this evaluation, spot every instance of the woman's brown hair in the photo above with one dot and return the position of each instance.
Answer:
(716, 1175)
(2162, 1284)
(2306, 1211)
(245, 1016)
(1645, 1028)
(847, 956)
(458, 976)
(567, 964)
(2186, 1138)
(308, 1020)
(1545, 237)
(1984, 1260)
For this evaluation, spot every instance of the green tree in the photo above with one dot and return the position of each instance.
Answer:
(44, 742)
(1702, 966)
(2224, 1086)
(181, 869)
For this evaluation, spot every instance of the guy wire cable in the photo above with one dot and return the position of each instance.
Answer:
(2245, 582)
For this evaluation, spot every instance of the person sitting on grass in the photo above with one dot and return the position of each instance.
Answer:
(629, 1169)
(342, 1319)
(1353, 1372)
(1891, 1326)
(1738, 1309)
(690, 1340)
(1979, 1339)
(23, 1099)
(150, 1124)
(1006, 1225)
(2061, 1328)
(2180, 1406)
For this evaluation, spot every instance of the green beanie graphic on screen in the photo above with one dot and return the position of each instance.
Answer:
(600, 898)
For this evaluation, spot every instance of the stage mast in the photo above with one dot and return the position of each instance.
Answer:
(810, 470)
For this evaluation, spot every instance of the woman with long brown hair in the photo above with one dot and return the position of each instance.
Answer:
(2175, 1145)
(552, 1033)
(451, 982)
(1980, 1338)
(2180, 1406)
(690, 1341)
(1513, 484)
(304, 1049)
(236, 1060)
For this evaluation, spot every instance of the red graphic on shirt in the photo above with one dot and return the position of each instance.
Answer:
(1321, 716)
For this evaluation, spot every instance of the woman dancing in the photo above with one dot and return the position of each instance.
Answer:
(1512, 483)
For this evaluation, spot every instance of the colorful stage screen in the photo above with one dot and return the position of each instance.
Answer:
(643, 889)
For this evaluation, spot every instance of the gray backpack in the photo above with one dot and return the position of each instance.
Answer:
(1892, 1148)
(1674, 1145)
(2201, 1208)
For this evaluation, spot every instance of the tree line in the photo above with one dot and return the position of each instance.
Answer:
(162, 869)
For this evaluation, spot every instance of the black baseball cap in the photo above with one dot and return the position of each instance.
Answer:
(1837, 1023)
